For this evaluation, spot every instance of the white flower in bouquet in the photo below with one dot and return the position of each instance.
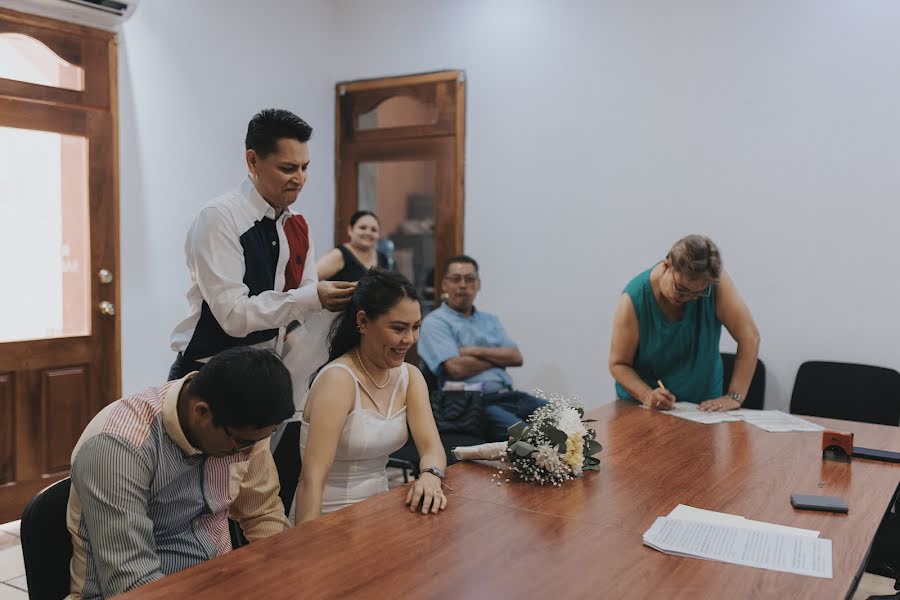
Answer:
(570, 423)
(547, 458)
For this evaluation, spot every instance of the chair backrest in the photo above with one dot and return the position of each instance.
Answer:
(757, 394)
(287, 463)
(46, 543)
(847, 391)
(431, 380)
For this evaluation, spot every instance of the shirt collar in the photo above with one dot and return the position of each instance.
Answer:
(456, 312)
(261, 208)
(170, 416)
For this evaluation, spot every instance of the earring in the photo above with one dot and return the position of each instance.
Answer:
(359, 328)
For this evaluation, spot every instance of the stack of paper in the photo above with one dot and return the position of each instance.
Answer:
(733, 539)
(769, 420)
(689, 513)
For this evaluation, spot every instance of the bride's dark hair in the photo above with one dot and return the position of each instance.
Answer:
(376, 293)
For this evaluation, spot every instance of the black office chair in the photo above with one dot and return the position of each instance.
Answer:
(287, 463)
(407, 458)
(431, 380)
(855, 392)
(757, 393)
(46, 543)
(847, 391)
(884, 558)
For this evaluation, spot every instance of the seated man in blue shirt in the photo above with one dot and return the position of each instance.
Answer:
(460, 343)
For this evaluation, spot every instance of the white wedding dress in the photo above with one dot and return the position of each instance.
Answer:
(368, 437)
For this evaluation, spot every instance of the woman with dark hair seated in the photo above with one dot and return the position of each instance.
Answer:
(350, 261)
(362, 401)
(666, 330)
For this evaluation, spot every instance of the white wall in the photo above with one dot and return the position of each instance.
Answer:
(191, 75)
(599, 131)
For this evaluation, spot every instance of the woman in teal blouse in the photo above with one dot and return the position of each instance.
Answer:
(665, 341)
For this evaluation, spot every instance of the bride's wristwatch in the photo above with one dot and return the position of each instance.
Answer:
(436, 471)
(736, 397)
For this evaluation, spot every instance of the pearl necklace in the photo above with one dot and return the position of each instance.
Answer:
(375, 383)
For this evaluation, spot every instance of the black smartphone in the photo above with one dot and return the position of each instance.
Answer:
(873, 454)
(826, 503)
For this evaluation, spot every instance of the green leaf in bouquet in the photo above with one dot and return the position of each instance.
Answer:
(556, 437)
(516, 431)
(590, 464)
(592, 447)
(522, 448)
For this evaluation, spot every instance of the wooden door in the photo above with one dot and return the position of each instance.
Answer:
(59, 325)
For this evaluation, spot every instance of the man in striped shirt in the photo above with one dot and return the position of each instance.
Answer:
(156, 475)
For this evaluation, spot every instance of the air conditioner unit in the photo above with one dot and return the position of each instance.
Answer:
(104, 14)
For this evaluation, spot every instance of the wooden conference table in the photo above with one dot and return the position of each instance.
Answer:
(581, 540)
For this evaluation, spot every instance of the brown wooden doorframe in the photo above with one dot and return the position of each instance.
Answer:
(442, 141)
(50, 388)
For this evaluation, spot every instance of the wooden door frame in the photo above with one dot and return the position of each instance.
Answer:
(27, 369)
(443, 141)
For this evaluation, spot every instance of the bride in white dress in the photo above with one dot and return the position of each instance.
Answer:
(361, 402)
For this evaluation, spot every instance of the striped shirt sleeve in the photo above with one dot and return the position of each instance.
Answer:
(112, 481)
(258, 507)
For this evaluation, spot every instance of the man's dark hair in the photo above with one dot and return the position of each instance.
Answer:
(245, 387)
(461, 258)
(272, 124)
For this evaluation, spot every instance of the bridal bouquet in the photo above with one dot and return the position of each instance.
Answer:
(555, 444)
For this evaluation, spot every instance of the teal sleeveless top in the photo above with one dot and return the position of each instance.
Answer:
(683, 354)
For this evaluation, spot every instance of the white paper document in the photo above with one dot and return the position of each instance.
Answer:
(776, 421)
(798, 554)
(689, 411)
(700, 515)
(769, 420)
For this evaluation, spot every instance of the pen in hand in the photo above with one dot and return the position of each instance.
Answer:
(665, 400)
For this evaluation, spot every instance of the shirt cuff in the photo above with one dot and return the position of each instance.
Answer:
(306, 301)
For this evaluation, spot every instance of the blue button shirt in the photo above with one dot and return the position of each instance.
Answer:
(445, 331)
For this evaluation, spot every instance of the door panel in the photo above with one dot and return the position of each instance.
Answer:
(7, 431)
(64, 412)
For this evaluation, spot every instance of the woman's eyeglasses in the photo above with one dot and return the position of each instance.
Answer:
(458, 279)
(686, 293)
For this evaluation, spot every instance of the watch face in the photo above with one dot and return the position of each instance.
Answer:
(435, 471)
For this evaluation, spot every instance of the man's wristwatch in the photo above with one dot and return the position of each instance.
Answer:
(736, 397)
(436, 471)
